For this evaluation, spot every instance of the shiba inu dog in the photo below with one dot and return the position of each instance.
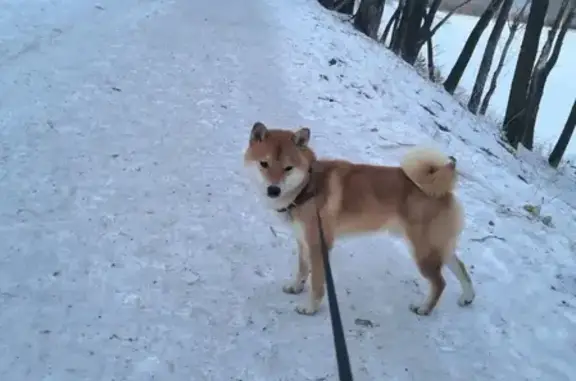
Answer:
(414, 200)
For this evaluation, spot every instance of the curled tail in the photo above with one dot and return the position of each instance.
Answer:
(431, 171)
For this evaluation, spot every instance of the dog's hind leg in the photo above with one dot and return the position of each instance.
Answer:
(430, 265)
(459, 270)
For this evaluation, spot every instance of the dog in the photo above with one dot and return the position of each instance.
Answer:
(414, 200)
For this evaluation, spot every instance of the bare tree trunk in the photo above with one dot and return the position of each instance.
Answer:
(426, 32)
(486, 63)
(368, 17)
(345, 7)
(544, 65)
(342, 6)
(406, 36)
(494, 82)
(464, 58)
(411, 47)
(412, 27)
(515, 110)
(401, 27)
(564, 139)
(433, 31)
(430, 61)
(393, 21)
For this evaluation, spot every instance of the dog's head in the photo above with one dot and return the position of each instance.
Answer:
(280, 160)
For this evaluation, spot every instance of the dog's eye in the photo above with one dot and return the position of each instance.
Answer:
(288, 168)
(264, 164)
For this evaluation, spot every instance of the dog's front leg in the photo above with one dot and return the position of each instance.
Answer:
(317, 270)
(316, 284)
(297, 284)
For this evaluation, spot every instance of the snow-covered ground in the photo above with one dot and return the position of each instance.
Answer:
(132, 247)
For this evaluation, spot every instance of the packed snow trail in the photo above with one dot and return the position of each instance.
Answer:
(123, 247)
(132, 248)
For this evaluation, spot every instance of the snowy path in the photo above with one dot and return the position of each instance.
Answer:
(132, 249)
(123, 246)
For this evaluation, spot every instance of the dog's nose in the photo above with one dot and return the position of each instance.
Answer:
(273, 191)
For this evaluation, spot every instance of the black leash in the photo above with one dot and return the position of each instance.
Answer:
(344, 371)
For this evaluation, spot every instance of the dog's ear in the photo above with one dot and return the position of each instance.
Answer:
(301, 137)
(259, 132)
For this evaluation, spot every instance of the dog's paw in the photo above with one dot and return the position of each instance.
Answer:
(419, 310)
(293, 288)
(465, 300)
(306, 310)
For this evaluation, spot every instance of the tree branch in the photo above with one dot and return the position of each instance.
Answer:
(560, 39)
(393, 18)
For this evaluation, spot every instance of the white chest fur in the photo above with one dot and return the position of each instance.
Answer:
(298, 231)
(300, 236)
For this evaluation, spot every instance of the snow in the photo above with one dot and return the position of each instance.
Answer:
(132, 247)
